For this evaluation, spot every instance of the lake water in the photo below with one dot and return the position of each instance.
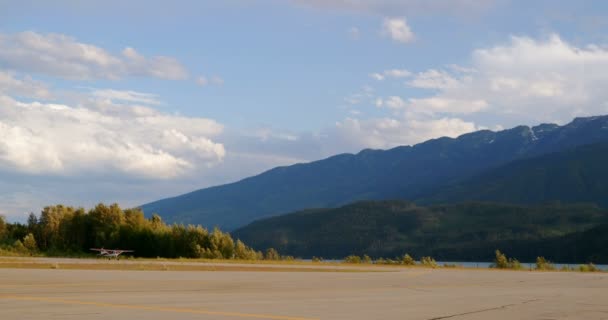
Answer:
(525, 265)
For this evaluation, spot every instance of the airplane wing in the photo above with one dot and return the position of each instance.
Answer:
(96, 249)
(121, 251)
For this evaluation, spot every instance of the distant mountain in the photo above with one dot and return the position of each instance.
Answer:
(469, 231)
(407, 172)
(579, 174)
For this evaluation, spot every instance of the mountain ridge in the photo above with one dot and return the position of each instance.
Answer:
(403, 172)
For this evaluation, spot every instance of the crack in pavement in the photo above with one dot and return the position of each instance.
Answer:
(483, 310)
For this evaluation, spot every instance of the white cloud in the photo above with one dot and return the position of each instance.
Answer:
(445, 105)
(202, 81)
(379, 102)
(390, 132)
(126, 96)
(392, 73)
(397, 29)
(526, 79)
(214, 80)
(104, 138)
(433, 79)
(394, 102)
(25, 87)
(522, 81)
(397, 73)
(377, 76)
(63, 56)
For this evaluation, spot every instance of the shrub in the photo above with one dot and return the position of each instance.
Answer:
(514, 264)
(544, 264)
(352, 259)
(317, 259)
(502, 262)
(408, 260)
(428, 262)
(590, 267)
(366, 259)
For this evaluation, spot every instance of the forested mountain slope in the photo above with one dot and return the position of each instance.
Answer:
(575, 175)
(407, 172)
(467, 231)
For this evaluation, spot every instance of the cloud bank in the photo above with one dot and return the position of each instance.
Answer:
(63, 56)
(100, 136)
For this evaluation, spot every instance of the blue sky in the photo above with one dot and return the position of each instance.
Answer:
(130, 102)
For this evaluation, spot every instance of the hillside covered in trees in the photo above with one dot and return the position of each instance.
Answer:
(65, 230)
(574, 175)
(461, 232)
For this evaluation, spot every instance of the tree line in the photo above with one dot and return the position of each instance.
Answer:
(65, 230)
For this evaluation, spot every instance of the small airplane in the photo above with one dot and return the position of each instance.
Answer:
(110, 253)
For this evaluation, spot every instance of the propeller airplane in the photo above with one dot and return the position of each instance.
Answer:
(109, 253)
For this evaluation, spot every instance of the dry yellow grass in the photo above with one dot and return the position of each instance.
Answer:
(174, 266)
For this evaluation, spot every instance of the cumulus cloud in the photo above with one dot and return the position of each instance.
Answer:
(392, 73)
(446, 105)
(433, 79)
(377, 76)
(523, 80)
(394, 102)
(397, 29)
(203, 81)
(382, 133)
(63, 56)
(126, 96)
(528, 79)
(25, 86)
(103, 137)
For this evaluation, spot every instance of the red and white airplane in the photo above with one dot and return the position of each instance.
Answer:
(110, 253)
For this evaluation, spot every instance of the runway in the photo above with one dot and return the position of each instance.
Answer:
(413, 293)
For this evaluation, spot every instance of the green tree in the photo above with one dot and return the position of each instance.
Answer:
(29, 242)
(544, 264)
(272, 254)
(3, 231)
(32, 222)
(428, 262)
(241, 251)
(19, 247)
(408, 260)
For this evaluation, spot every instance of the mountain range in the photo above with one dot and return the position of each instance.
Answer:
(524, 164)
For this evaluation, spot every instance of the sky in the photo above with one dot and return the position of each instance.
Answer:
(134, 101)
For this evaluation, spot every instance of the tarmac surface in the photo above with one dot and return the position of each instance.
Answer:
(399, 293)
